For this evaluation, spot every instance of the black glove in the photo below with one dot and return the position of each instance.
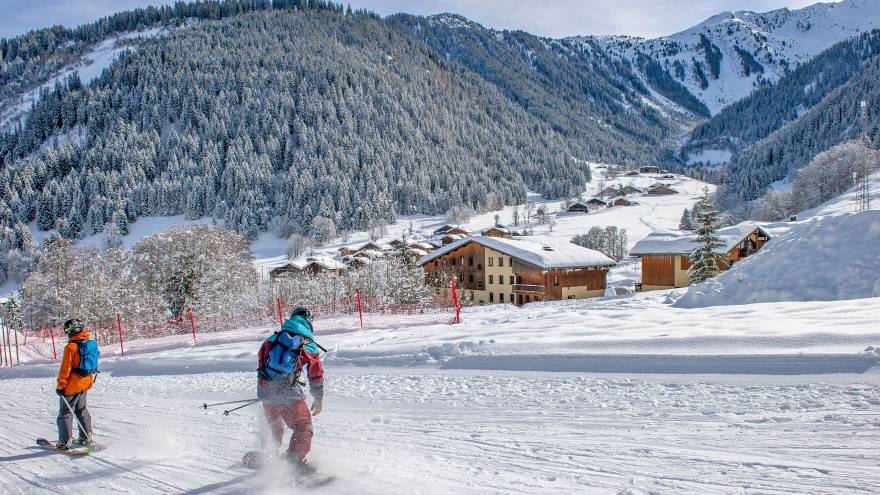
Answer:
(60, 392)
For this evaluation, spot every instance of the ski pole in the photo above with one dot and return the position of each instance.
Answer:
(80, 423)
(205, 406)
(226, 413)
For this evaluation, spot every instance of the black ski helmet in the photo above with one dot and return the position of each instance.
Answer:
(73, 326)
(304, 312)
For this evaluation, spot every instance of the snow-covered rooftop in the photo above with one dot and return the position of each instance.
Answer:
(541, 252)
(673, 242)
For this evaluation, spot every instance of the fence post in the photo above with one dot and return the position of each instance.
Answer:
(357, 292)
(119, 325)
(457, 318)
(192, 322)
(9, 343)
(52, 334)
(2, 348)
(17, 358)
(280, 316)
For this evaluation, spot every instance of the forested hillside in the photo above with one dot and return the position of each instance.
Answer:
(595, 100)
(833, 121)
(311, 120)
(770, 107)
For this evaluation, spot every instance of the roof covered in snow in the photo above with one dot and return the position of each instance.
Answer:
(541, 252)
(674, 242)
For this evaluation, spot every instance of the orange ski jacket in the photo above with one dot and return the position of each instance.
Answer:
(68, 380)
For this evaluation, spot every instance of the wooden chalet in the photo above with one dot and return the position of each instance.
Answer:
(518, 270)
(666, 256)
(451, 230)
(316, 266)
(421, 246)
(622, 202)
(284, 270)
(346, 251)
(595, 203)
(659, 189)
(451, 239)
(370, 246)
(497, 231)
(629, 189)
(578, 208)
(649, 169)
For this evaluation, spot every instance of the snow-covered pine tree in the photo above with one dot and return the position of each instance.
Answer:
(707, 260)
(686, 222)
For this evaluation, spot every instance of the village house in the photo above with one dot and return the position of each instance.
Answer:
(649, 169)
(666, 258)
(518, 270)
(346, 251)
(629, 189)
(622, 202)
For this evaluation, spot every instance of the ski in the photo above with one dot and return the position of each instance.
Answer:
(256, 459)
(73, 452)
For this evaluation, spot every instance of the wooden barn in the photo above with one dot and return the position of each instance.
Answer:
(518, 270)
(578, 208)
(497, 231)
(659, 189)
(285, 270)
(666, 256)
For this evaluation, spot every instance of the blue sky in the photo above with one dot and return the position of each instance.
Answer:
(556, 18)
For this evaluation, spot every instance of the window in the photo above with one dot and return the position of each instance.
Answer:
(510, 261)
(501, 261)
(471, 278)
(555, 280)
(462, 261)
(491, 297)
(491, 279)
(491, 261)
(470, 262)
(501, 297)
(500, 279)
(479, 266)
(511, 280)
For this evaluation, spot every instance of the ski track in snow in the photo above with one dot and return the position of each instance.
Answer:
(429, 431)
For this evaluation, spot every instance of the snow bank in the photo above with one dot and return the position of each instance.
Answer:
(830, 258)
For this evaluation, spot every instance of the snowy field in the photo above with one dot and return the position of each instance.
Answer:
(429, 431)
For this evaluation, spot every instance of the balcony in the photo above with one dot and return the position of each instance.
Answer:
(529, 289)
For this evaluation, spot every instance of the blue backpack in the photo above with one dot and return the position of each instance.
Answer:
(283, 356)
(88, 357)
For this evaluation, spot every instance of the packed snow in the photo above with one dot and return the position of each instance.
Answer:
(431, 431)
(824, 259)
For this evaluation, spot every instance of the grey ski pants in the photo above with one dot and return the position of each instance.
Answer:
(65, 418)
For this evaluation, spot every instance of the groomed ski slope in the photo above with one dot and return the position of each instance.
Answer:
(430, 431)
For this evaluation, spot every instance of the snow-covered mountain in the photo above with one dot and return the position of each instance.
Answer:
(725, 57)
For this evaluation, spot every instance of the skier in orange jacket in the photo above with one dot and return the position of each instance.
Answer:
(75, 378)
